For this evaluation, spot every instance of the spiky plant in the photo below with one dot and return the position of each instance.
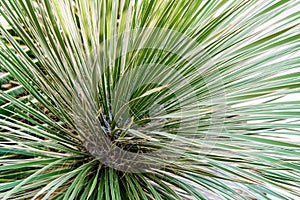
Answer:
(149, 99)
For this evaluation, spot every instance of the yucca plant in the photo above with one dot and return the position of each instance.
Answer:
(149, 99)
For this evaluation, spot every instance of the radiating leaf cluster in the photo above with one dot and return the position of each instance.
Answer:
(246, 141)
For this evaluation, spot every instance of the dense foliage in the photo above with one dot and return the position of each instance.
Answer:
(149, 99)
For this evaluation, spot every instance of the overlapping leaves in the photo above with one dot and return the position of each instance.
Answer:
(254, 46)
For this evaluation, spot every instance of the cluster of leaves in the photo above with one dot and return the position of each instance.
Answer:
(245, 145)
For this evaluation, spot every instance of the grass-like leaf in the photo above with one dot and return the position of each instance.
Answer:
(154, 99)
